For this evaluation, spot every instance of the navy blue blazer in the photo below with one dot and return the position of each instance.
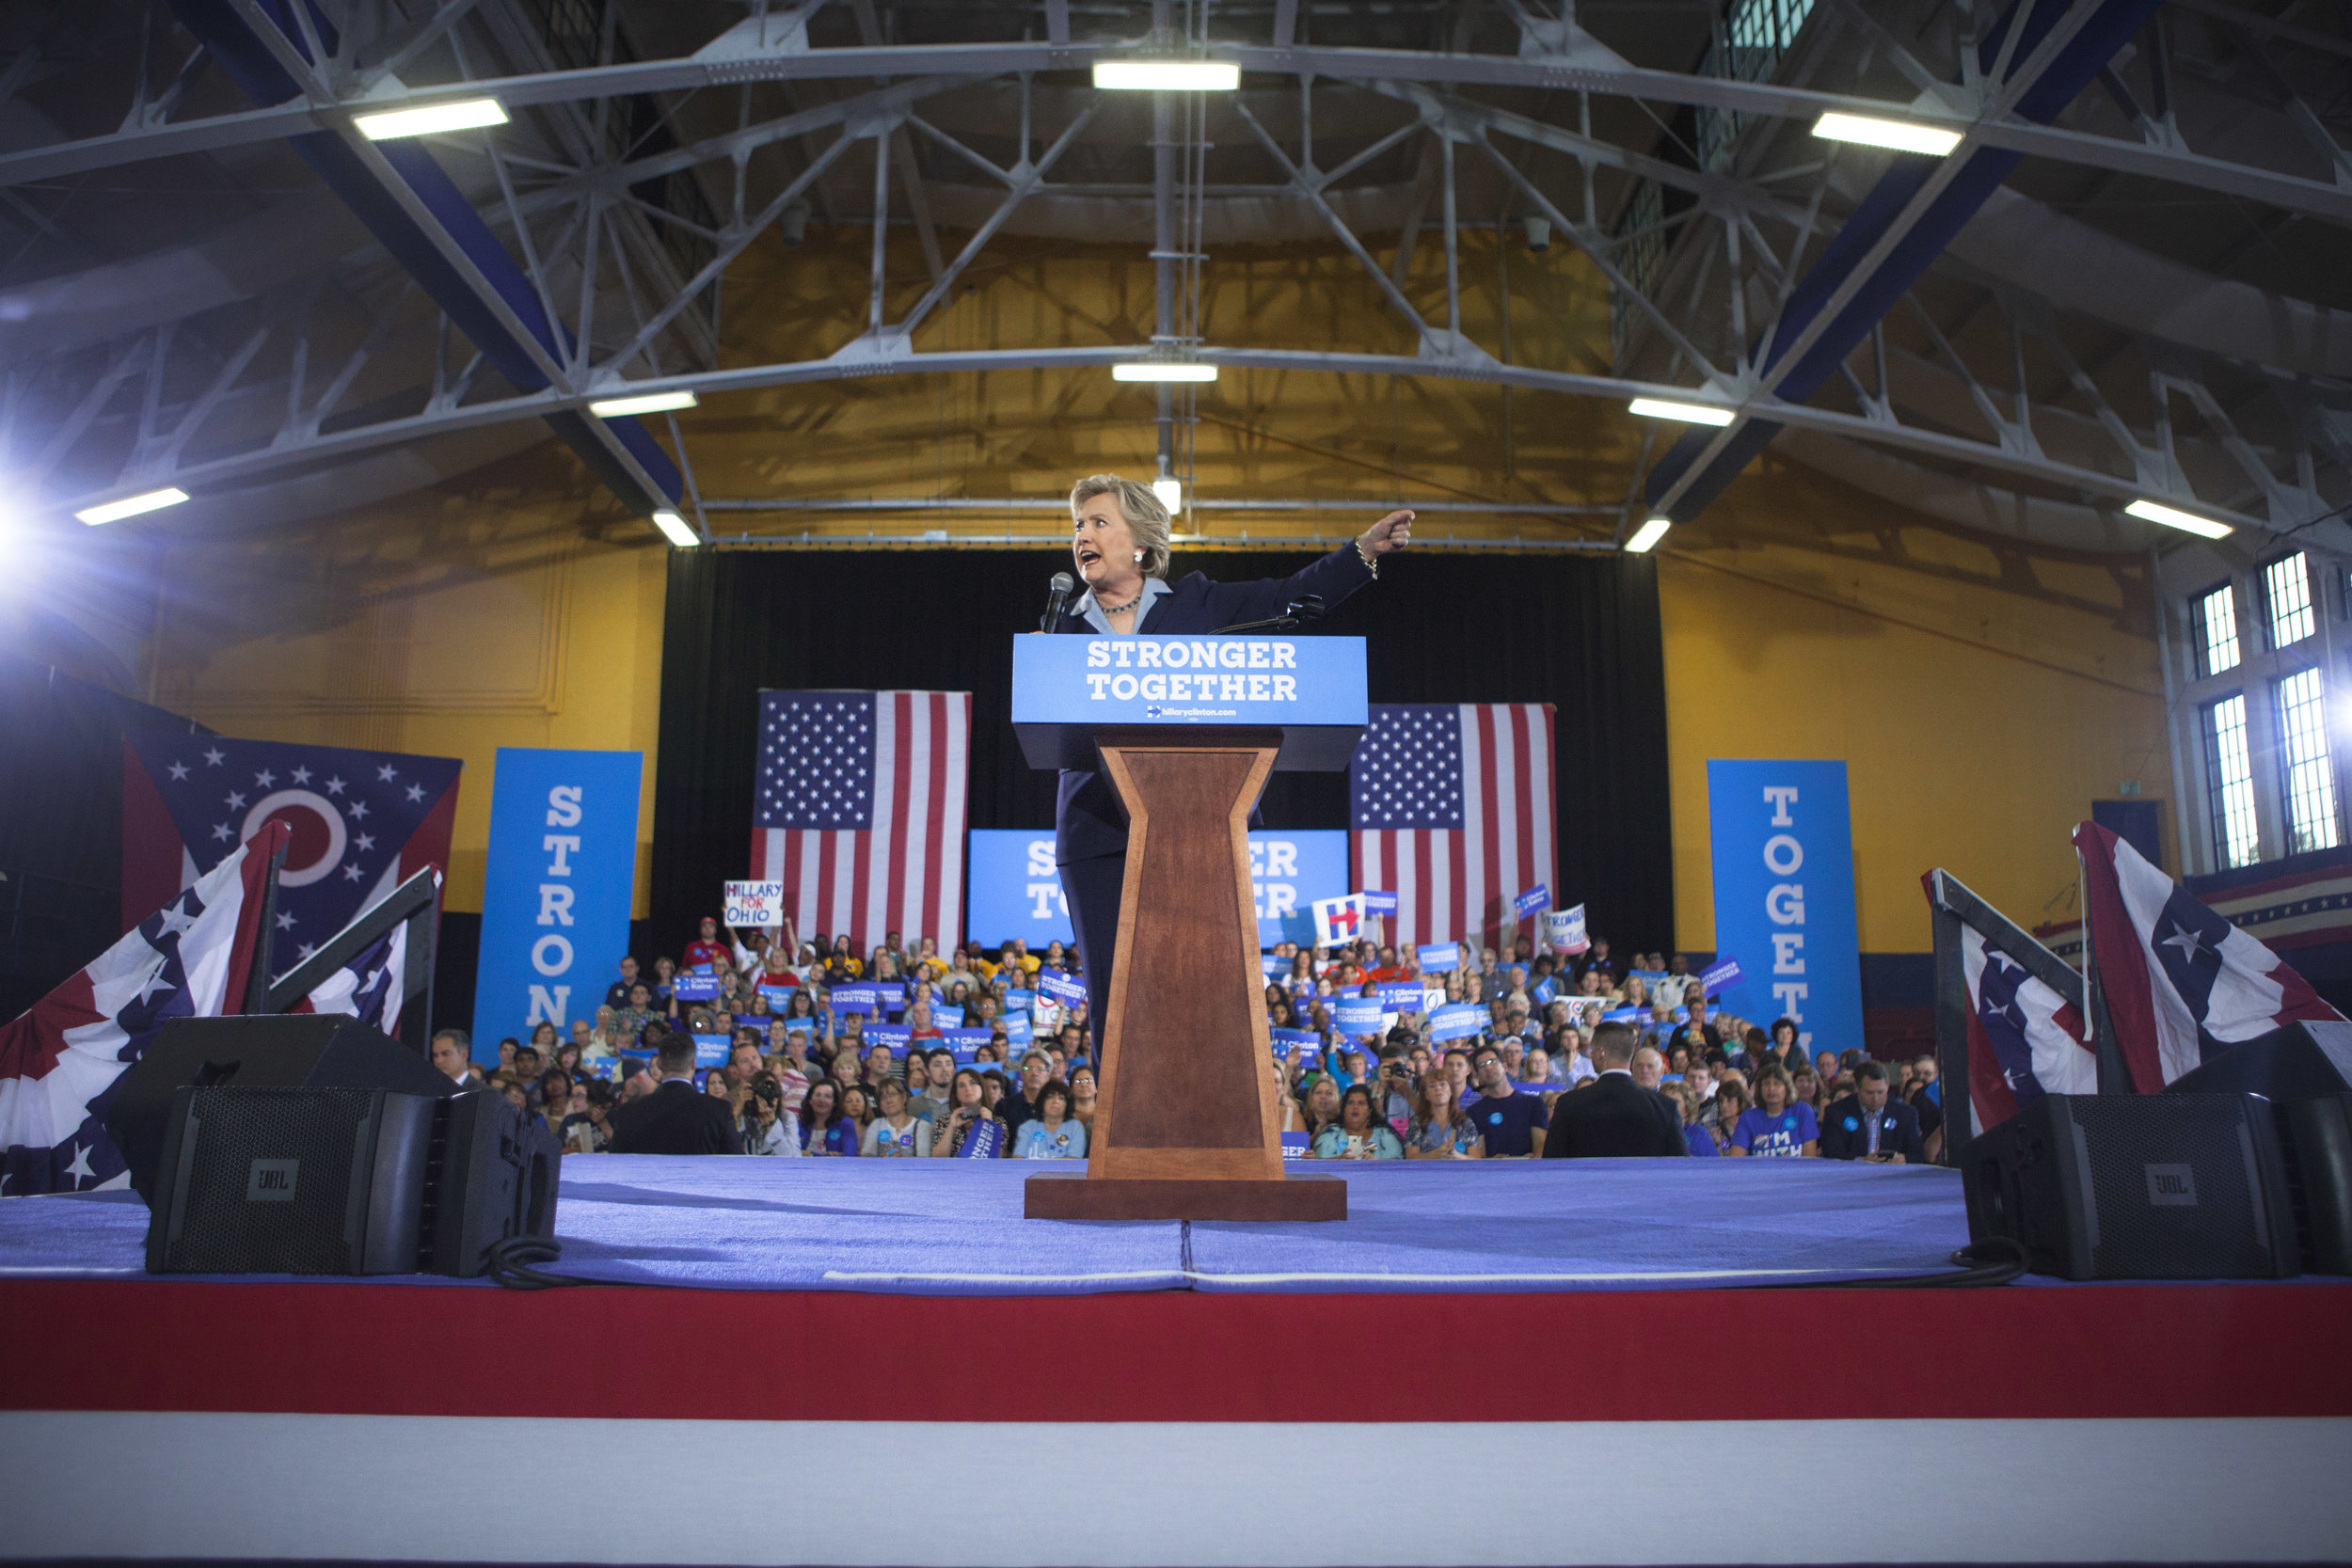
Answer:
(1087, 820)
(1845, 1137)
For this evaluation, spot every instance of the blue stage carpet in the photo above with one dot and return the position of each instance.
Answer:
(950, 1228)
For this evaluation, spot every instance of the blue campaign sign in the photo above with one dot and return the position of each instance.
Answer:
(1287, 1040)
(1062, 988)
(855, 999)
(711, 1050)
(1438, 957)
(964, 1042)
(1456, 1020)
(778, 996)
(1358, 1015)
(1272, 964)
(1537, 898)
(695, 986)
(1021, 1002)
(1295, 1146)
(1719, 975)
(1783, 845)
(1015, 891)
(1545, 990)
(1378, 903)
(946, 1014)
(892, 1035)
(557, 878)
(1018, 1030)
(1399, 996)
(1270, 681)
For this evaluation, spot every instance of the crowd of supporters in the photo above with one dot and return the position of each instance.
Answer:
(903, 1052)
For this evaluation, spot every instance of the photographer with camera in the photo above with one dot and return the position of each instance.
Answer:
(768, 1127)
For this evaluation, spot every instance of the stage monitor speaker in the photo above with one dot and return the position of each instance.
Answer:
(494, 1176)
(2136, 1187)
(2300, 1061)
(282, 1051)
(2305, 1071)
(305, 1180)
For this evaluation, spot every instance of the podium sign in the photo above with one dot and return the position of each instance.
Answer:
(1186, 730)
(1310, 688)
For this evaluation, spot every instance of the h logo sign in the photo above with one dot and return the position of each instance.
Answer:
(271, 1181)
(2172, 1186)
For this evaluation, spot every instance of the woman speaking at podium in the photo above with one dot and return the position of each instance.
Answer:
(1121, 544)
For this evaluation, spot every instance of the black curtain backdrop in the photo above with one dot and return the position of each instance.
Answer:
(1580, 633)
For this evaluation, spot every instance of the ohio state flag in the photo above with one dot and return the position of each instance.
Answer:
(362, 823)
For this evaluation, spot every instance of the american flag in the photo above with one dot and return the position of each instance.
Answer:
(859, 811)
(1452, 805)
(59, 1062)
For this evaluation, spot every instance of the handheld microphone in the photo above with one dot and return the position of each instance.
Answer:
(1060, 586)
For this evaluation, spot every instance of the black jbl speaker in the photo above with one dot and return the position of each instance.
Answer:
(2305, 1071)
(291, 1181)
(2136, 1187)
(280, 1051)
(494, 1176)
(320, 1181)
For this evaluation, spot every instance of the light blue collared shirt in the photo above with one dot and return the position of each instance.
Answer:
(1152, 588)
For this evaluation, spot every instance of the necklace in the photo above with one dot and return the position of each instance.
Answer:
(1117, 609)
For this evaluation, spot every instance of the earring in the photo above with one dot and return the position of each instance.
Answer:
(1139, 558)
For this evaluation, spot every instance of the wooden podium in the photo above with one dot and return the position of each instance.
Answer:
(1185, 1125)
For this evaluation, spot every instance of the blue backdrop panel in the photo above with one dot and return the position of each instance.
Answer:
(1016, 892)
(1783, 845)
(562, 867)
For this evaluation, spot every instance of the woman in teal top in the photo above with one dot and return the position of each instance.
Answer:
(1360, 1133)
(1053, 1134)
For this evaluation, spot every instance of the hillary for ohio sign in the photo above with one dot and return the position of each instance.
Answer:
(1201, 680)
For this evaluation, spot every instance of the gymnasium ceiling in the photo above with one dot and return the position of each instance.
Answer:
(2153, 304)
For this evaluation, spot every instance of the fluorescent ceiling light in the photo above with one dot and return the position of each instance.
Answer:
(647, 402)
(1168, 76)
(1163, 370)
(2171, 516)
(675, 530)
(1689, 413)
(1645, 538)
(1901, 135)
(131, 506)
(431, 120)
(1171, 493)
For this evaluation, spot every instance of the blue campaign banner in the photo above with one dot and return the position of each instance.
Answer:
(1378, 903)
(1287, 1040)
(1268, 681)
(1456, 1020)
(1537, 898)
(892, 1035)
(855, 999)
(557, 884)
(1545, 990)
(1015, 891)
(1398, 996)
(1783, 844)
(1438, 957)
(1623, 1014)
(799, 1026)
(711, 1049)
(1272, 964)
(1719, 975)
(964, 1042)
(1358, 1015)
(1023, 1003)
(695, 986)
(946, 1015)
(1018, 1030)
(1062, 988)
(1295, 1146)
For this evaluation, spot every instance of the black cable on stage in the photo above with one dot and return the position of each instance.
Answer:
(1972, 1267)
(511, 1259)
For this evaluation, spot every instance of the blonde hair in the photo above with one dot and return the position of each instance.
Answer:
(1147, 519)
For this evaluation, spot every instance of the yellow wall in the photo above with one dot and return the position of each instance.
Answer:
(1982, 697)
(449, 624)
(1976, 723)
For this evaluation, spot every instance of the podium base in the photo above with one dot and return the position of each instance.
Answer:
(1077, 1197)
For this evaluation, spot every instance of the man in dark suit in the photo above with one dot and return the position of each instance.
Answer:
(677, 1118)
(1867, 1126)
(1613, 1114)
